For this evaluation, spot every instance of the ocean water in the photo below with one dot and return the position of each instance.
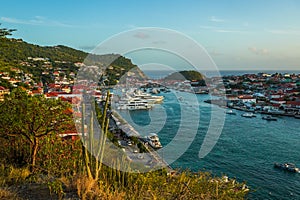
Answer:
(246, 149)
(160, 74)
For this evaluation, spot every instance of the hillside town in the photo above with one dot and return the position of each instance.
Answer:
(269, 93)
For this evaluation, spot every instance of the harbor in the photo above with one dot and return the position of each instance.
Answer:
(247, 147)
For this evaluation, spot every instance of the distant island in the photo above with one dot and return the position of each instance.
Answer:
(195, 78)
(186, 75)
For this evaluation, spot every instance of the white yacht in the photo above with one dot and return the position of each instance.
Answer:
(135, 99)
(148, 97)
(153, 141)
(130, 103)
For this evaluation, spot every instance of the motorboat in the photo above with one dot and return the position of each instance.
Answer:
(287, 167)
(230, 112)
(153, 141)
(248, 115)
(269, 118)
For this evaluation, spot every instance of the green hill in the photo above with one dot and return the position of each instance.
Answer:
(186, 75)
(14, 51)
(18, 54)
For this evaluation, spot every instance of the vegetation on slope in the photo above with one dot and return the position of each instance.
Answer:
(16, 53)
(186, 75)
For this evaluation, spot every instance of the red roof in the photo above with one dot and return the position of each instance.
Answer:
(51, 94)
(67, 99)
(68, 111)
(246, 97)
(51, 85)
(2, 88)
(276, 105)
(36, 92)
(294, 103)
(278, 99)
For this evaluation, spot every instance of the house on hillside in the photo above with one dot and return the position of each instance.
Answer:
(3, 92)
(247, 99)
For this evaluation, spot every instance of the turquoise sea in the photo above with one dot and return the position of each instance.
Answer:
(246, 150)
(156, 74)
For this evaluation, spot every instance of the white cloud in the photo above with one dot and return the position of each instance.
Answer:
(215, 19)
(257, 51)
(208, 27)
(36, 21)
(14, 21)
(229, 31)
(285, 31)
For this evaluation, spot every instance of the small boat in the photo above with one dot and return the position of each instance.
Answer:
(230, 112)
(155, 91)
(297, 115)
(287, 167)
(269, 118)
(153, 140)
(248, 115)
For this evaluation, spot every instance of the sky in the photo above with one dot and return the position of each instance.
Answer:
(237, 34)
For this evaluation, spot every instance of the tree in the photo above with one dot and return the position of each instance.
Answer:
(4, 32)
(33, 118)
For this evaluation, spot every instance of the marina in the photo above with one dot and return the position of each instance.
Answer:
(244, 150)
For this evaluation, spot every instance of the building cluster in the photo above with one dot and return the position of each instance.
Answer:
(273, 93)
(47, 78)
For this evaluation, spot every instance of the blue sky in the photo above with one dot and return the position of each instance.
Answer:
(237, 34)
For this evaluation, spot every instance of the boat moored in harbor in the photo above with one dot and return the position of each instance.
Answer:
(287, 167)
(248, 115)
(153, 141)
(297, 115)
(269, 118)
(230, 112)
(151, 99)
(133, 104)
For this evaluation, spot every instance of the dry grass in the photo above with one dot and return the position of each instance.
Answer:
(90, 189)
(18, 174)
(6, 194)
(12, 175)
